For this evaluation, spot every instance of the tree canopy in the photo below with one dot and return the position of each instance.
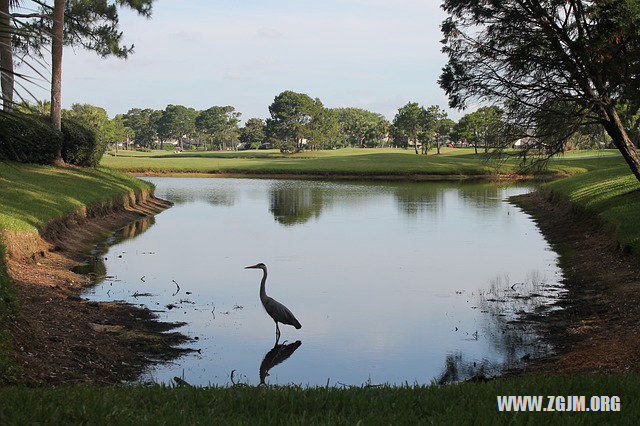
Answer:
(252, 134)
(568, 64)
(291, 114)
(177, 122)
(219, 124)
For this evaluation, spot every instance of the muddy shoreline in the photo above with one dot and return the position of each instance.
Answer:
(598, 327)
(60, 338)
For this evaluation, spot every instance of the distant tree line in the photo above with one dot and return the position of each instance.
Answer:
(297, 122)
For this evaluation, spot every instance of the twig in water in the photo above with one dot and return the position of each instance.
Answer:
(234, 383)
(178, 290)
(142, 278)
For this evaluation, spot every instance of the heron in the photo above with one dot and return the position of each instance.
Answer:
(276, 310)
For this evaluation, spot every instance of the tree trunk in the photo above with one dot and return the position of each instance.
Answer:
(475, 146)
(438, 146)
(6, 56)
(56, 71)
(621, 140)
(415, 145)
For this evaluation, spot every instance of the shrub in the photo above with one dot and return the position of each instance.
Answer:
(81, 145)
(28, 138)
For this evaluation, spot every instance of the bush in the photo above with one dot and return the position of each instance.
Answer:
(81, 145)
(28, 139)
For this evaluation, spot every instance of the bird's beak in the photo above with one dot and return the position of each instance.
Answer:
(251, 267)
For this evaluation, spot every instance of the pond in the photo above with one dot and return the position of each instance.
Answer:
(393, 282)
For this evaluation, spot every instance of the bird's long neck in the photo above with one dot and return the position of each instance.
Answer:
(263, 293)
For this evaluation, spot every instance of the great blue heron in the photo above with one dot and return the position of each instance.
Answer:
(276, 310)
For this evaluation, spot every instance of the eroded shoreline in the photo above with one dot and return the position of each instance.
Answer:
(60, 338)
(597, 329)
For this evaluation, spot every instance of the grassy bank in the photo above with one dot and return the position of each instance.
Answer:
(468, 403)
(30, 197)
(8, 305)
(453, 162)
(612, 194)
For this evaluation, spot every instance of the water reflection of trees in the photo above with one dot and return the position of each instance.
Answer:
(213, 196)
(414, 199)
(508, 307)
(95, 265)
(136, 228)
(481, 196)
(295, 205)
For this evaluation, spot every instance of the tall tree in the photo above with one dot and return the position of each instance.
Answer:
(411, 121)
(144, 124)
(177, 122)
(57, 40)
(6, 54)
(574, 62)
(482, 127)
(323, 128)
(219, 124)
(252, 134)
(439, 126)
(291, 114)
(359, 127)
(444, 130)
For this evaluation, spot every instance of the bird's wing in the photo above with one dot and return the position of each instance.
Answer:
(281, 313)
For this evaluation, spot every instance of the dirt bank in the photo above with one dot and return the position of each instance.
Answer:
(57, 336)
(598, 328)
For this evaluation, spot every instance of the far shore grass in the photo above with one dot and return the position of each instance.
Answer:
(452, 162)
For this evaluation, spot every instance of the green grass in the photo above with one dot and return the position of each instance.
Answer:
(454, 162)
(613, 194)
(31, 195)
(468, 403)
(8, 306)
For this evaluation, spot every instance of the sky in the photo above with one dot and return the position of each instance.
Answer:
(372, 54)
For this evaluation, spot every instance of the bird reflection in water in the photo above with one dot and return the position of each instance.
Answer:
(278, 354)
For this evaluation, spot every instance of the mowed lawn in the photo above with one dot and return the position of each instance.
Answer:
(612, 194)
(454, 162)
(32, 195)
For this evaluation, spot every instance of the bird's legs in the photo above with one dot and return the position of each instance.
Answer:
(277, 332)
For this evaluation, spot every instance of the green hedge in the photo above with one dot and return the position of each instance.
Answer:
(28, 139)
(81, 145)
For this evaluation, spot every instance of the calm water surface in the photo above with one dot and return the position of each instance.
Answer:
(393, 283)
